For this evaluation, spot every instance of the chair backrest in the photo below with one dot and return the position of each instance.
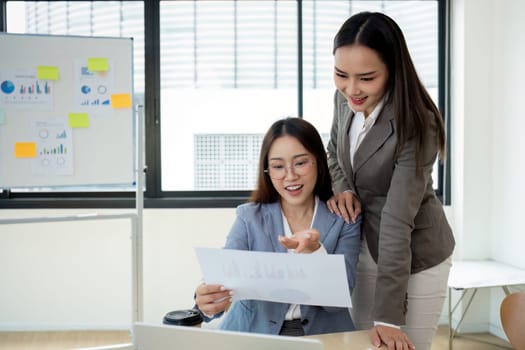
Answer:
(512, 313)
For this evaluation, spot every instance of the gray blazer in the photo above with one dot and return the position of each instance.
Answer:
(257, 228)
(403, 221)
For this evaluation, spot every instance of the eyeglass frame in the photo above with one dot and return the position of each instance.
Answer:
(292, 167)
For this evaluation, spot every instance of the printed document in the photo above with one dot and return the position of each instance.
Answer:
(309, 279)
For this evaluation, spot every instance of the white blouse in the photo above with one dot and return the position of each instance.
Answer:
(361, 126)
(294, 311)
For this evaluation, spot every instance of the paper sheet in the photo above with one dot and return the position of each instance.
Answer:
(309, 279)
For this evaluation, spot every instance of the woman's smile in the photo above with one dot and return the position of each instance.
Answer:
(294, 189)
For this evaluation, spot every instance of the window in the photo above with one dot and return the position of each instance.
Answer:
(231, 67)
(214, 74)
(227, 67)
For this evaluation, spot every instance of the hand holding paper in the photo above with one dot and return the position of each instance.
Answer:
(212, 298)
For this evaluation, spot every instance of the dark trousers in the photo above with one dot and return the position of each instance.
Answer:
(292, 328)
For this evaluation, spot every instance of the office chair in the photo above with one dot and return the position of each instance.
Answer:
(512, 314)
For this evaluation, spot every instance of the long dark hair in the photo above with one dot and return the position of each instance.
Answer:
(411, 102)
(308, 136)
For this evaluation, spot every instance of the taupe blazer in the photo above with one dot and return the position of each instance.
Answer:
(403, 221)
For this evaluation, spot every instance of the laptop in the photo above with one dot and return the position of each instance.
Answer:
(166, 337)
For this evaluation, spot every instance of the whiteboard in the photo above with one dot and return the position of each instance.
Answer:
(66, 111)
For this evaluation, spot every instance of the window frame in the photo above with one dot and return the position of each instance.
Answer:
(154, 197)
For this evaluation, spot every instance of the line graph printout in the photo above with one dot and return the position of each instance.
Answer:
(309, 279)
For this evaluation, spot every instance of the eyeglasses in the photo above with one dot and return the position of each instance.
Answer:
(300, 167)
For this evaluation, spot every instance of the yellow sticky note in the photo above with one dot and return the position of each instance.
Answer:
(78, 120)
(120, 101)
(25, 150)
(98, 64)
(47, 72)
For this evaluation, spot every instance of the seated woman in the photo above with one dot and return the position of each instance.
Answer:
(287, 213)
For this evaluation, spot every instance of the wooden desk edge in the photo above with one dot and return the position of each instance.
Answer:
(355, 340)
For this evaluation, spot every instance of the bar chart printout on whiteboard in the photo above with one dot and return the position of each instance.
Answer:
(308, 279)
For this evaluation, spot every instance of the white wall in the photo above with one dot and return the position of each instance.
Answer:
(487, 147)
(471, 139)
(71, 275)
(508, 121)
(508, 161)
(77, 274)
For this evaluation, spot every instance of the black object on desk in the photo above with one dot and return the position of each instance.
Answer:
(189, 317)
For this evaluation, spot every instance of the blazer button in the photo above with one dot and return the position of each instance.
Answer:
(304, 322)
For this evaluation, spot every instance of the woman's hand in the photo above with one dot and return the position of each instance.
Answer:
(306, 241)
(212, 298)
(346, 205)
(393, 338)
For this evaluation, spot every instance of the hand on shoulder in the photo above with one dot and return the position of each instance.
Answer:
(346, 205)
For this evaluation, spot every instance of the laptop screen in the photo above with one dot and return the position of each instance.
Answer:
(166, 337)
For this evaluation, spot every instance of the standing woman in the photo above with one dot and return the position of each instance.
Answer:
(385, 137)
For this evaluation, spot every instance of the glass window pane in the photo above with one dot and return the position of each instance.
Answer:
(321, 20)
(228, 70)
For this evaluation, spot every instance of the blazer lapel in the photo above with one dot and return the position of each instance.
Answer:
(376, 137)
(323, 220)
(274, 217)
(344, 140)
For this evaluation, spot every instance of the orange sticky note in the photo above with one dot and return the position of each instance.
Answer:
(47, 72)
(25, 150)
(98, 64)
(78, 120)
(120, 101)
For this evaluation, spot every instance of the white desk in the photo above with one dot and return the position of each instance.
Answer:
(475, 274)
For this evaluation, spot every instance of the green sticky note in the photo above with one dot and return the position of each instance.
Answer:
(78, 120)
(98, 64)
(47, 72)
(2, 117)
